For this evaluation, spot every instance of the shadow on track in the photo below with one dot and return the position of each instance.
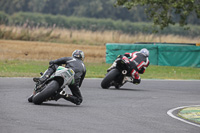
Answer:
(57, 104)
(124, 89)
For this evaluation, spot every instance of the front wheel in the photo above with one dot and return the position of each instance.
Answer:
(111, 76)
(47, 92)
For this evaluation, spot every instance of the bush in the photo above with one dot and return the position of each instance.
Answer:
(4, 18)
(78, 23)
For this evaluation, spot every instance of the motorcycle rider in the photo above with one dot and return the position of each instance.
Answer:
(76, 64)
(139, 61)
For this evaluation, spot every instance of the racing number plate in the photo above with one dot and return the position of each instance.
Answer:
(67, 74)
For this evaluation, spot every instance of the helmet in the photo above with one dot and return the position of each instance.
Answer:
(145, 52)
(78, 54)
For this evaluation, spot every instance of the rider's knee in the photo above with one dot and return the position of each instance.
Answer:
(136, 81)
(79, 101)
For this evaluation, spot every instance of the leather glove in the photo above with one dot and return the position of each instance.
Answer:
(51, 62)
(127, 55)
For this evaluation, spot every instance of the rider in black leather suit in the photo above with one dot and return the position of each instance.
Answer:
(76, 64)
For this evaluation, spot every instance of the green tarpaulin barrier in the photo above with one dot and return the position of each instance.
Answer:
(160, 54)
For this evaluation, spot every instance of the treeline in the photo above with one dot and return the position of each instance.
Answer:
(103, 9)
(92, 24)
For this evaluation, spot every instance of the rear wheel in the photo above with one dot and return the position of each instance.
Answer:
(47, 92)
(111, 76)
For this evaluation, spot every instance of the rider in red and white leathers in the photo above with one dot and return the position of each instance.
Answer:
(139, 61)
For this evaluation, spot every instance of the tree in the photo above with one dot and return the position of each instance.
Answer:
(165, 12)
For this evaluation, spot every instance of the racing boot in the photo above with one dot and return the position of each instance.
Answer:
(70, 98)
(44, 77)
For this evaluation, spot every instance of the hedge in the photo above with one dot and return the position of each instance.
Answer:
(47, 20)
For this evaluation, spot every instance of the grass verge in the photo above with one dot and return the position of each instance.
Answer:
(86, 37)
(20, 68)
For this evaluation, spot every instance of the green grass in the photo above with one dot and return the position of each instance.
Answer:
(171, 72)
(190, 114)
(19, 68)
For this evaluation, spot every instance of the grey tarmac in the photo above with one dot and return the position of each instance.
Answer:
(130, 109)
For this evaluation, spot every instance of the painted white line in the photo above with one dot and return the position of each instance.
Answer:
(170, 113)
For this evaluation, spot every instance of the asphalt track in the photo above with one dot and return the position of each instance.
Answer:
(131, 109)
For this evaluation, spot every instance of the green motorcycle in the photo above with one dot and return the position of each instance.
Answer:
(53, 86)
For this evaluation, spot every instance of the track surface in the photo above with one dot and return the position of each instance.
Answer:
(131, 109)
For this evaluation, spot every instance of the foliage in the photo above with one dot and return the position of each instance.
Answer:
(26, 19)
(103, 9)
(164, 12)
(4, 18)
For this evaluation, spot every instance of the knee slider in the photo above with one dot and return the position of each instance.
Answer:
(136, 81)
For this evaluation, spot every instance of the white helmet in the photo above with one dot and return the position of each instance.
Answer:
(145, 52)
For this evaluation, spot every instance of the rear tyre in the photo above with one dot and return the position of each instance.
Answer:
(111, 76)
(47, 92)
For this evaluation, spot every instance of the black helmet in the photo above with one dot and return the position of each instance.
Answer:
(78, 54)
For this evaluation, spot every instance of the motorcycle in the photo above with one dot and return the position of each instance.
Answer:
(53, 86)
(118, 75)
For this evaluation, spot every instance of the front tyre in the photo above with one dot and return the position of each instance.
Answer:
(111, 76)
(47, 92)
(30, 98)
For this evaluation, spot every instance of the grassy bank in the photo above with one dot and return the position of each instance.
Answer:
(19, 68)
(28, 59)
(86, 37)
(30, 50)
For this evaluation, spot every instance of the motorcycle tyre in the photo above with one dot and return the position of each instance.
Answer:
(50, 89)
(30, 99)
(110, 76)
